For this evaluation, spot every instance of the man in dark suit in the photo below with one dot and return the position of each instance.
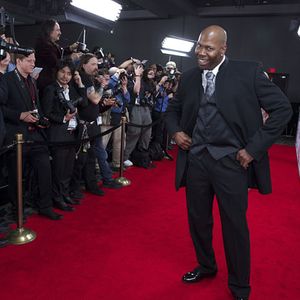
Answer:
(22, 114)
(216, 121)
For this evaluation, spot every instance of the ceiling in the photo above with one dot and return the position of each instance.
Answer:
(35, 11)
(133, 9)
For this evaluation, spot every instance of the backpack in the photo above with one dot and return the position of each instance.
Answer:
(155, 151)
(141, 158)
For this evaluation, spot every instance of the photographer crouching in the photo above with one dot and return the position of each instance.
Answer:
(60, 103)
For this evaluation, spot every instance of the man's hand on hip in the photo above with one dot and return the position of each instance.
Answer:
(244, 158)
(182, 140)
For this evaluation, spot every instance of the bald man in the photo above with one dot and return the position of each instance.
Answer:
(216, 121)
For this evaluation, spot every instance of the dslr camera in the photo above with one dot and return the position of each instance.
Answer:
(42, 121)
(147, 100)
(5, 20)
(110, 94)
(68, 104)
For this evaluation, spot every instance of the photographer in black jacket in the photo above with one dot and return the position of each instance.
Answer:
(22, 114)
(60, 102)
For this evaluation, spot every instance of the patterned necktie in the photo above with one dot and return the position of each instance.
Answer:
(210, 86)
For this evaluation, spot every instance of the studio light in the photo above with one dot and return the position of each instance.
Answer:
(176, 46)
(173, 52)
(106, 9)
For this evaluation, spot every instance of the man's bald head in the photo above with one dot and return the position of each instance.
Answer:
(211, 47)
(216, 32)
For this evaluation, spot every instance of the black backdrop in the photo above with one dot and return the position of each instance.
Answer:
(265, 39)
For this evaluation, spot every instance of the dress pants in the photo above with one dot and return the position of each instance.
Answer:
(63, 158)
(140, 137)
(227, 180)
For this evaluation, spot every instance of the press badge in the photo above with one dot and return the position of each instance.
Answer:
(137, 101)
(72, 124)
(99, 120)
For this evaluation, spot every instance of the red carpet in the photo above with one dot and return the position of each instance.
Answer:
(134, 244)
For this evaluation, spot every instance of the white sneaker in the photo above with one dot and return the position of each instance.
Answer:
(128, 163)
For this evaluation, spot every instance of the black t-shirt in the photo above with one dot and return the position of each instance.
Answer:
(91, 112)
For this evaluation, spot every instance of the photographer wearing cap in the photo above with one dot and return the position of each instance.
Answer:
(60, 103)
(48, 52)
(22, 114)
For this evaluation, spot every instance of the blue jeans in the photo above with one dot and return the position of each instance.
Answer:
(101, 156)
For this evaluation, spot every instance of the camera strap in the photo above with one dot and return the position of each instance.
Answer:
(27, 86)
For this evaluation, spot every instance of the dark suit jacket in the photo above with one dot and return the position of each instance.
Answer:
(2, 128)
(55, 111)
(16, 100)
(48, 54)
(241, 90)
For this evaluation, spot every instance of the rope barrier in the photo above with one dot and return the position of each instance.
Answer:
(79, 141)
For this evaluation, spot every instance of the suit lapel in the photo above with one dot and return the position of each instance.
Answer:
(195, 99)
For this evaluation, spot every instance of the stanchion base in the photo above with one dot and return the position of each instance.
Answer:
(124, 181)
(21, 236)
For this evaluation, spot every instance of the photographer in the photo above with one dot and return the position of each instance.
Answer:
(105, 61)
(22, 114)
(60, 102)
(90, 117)
(119, 82)
(48, 52)
(140, 112)
(173, 76)
(162, 98)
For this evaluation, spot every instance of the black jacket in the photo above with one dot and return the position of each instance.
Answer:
(241, 90)
(55, 111)
(16, 100)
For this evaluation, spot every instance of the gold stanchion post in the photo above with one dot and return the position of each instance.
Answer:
(122, 180)
(20, 235)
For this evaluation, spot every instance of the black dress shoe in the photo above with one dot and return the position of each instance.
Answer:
(76, 195)
(63, 206)
(49, 213)
(197, 275)
(112, 184)
(69, 200)
(97, 192)
(3, 242)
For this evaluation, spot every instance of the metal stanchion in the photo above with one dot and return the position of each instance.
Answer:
(122, 180)
(20, 235)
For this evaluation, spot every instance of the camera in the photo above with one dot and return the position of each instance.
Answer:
(4, 46)
(68, 104)
(110, 94)
(81, 47)
(99, 53)
(118, 89)
(147, 100)
(41, 120)
(171, 74)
